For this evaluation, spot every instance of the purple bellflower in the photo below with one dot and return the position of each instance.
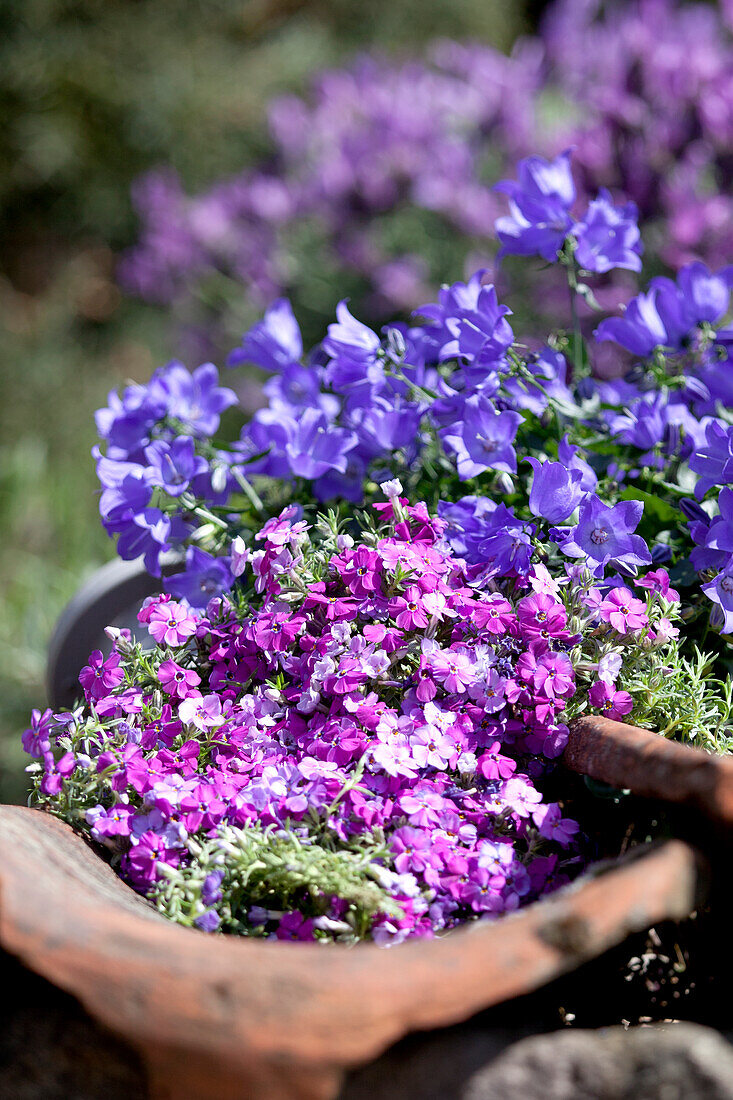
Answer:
(608, 236)
(556, 491)
(173, 465)
(483, 439)
(539, 203)
(203, 578)
(605, 535)
(720, 591)
(273, 343)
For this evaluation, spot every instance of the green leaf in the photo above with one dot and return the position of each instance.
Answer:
(653, 505)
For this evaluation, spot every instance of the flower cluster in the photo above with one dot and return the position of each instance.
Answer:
(378, 145)
(613, 476)
(353, 742)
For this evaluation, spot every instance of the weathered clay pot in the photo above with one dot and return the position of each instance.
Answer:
(218, 1017)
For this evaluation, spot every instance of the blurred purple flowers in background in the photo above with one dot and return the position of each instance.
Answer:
(650, 128)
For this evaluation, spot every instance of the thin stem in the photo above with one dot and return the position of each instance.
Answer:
(577, 338)
(247, 489)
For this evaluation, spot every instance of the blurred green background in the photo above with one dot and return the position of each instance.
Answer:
(92, 92)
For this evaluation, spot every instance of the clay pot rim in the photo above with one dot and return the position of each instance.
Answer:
(263, 1008)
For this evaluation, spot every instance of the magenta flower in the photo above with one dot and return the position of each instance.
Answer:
(431, 748)
(553, 826)
(36, 739)
(141, 862)
(413, 848)
(614, 704)
(623, 611)
(202, 712)
(549, 674)
(177, 681)
(294, 926)
(454, 670)
(521, 796)
(492, 765)
(408, 610)
(100, 677)
(541, 616)
(170, 623)
(422, 804)
(657, 580)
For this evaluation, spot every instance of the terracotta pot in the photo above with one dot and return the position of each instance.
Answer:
(225, 1018)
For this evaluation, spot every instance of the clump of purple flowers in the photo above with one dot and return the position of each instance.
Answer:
(352, 743)
(378, 152)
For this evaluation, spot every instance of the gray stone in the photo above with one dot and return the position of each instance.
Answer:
(664, 1062)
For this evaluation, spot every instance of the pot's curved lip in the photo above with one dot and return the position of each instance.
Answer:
(650, 765)
(67, 916)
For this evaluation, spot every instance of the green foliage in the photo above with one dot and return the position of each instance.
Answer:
(277, 870)
(680, 697)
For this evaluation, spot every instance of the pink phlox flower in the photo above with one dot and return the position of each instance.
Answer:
(413, 849)
(516, 885)
(176, 680)
(37, 738)
(294, 926)
(150, 604)
(623, 611)
(553, 826)
(422, 804)
(541, 616)
(493, 765)
(665, 630)
(496, 857)
(360, 571)
(542, 581)
(161, 731)
(100, 677)
(335, 606)
(454, 669)
(494, 614)
(407, 610)
(609, 666)
(394, 757)
(436, 605)
(432, 748)
(347, 677)
(203, 807)
(491, 692)
(140, 864)
(171, 623)
(604, 697)
(275, 631)
(521, 796)
(387, 637)
(312, 768)
(550, 674)
(456, 829)
(106, 824)
(203, 712)
(118, 761)
(657, 580)
(281, 530)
